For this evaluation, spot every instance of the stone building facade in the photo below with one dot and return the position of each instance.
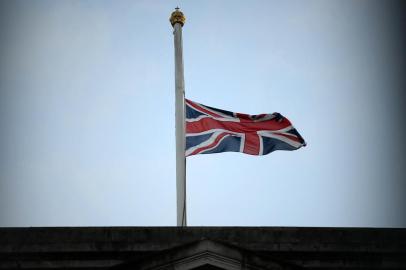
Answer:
(202, 248)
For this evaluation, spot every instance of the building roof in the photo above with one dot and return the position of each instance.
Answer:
(160, 247)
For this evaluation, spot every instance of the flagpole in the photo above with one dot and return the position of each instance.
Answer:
(177, 20)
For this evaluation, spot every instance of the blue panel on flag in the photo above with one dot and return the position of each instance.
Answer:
(228, 144)
(270, 145)
(196, 140)
(231, 114)
(190, 113)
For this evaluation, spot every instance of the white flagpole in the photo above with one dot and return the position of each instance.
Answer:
(177, 20)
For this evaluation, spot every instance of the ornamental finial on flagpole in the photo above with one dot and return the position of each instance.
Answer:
(177, 17)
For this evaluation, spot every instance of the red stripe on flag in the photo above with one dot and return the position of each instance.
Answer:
(206, 124)
(251, 144)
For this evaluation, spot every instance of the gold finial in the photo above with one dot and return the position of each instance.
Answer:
(177, 17)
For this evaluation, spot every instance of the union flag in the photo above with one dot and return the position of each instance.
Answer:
(210, 130)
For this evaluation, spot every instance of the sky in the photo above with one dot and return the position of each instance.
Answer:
(87, 112)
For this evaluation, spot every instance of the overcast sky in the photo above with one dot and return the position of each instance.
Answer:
(87, 112)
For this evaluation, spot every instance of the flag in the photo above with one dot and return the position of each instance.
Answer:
(210, 130)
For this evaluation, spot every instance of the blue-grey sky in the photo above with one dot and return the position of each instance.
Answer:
(87, 112)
